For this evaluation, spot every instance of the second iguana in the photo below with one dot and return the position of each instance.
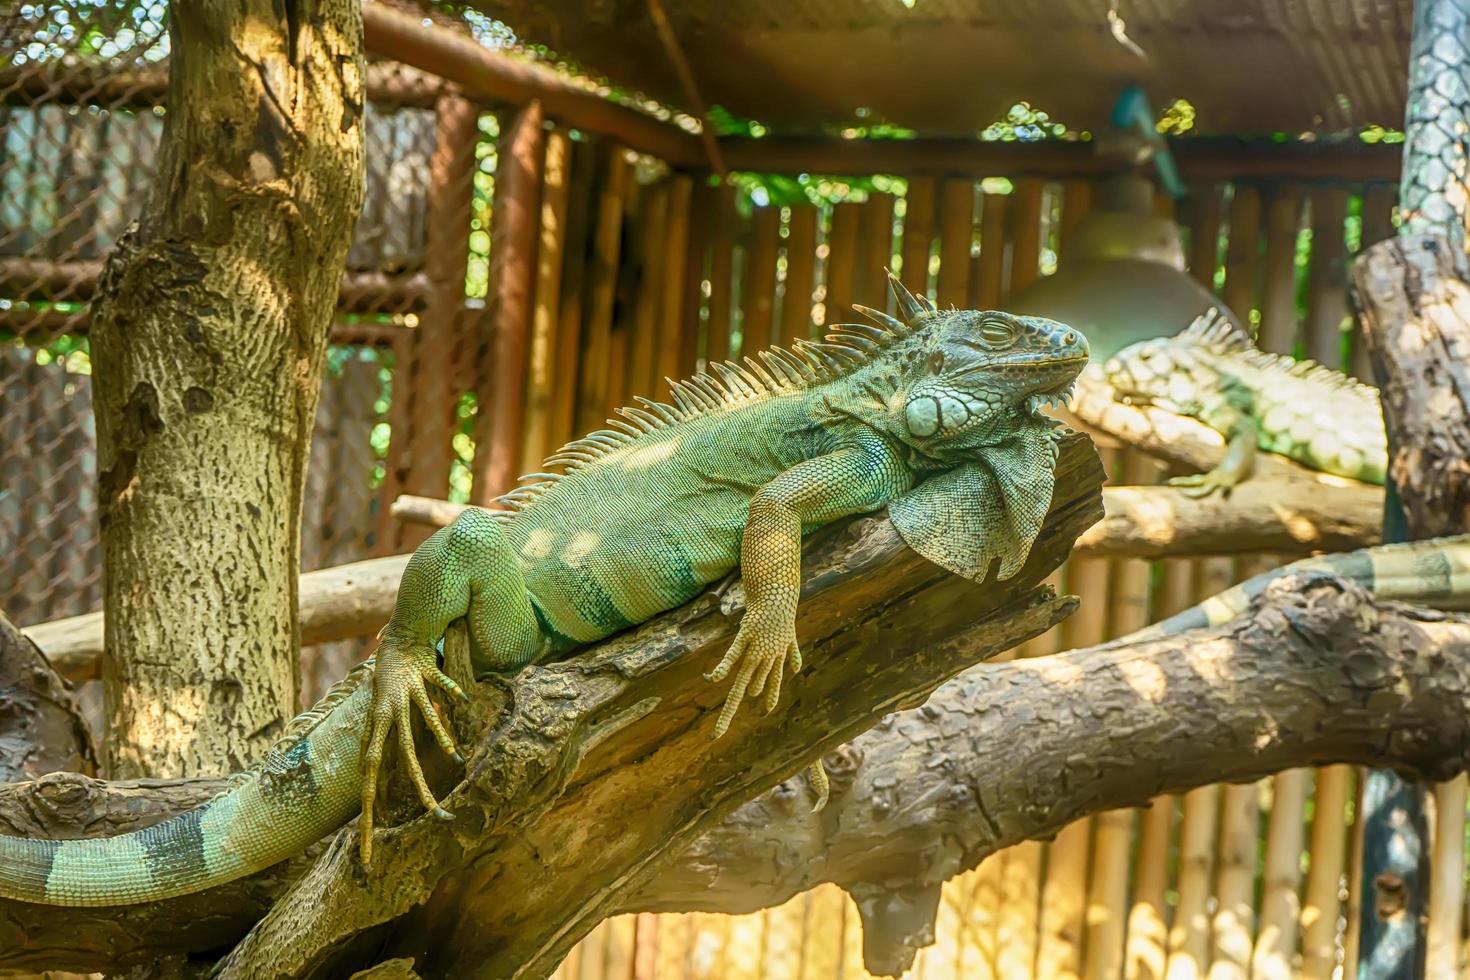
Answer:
(1214, 372)
(936, 415)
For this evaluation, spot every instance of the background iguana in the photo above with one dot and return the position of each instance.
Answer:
(1434, 572)
(1212, 371)
(936, 415)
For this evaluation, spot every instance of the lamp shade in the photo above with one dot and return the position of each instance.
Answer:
(1122, 278)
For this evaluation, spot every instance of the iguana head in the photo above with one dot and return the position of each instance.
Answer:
(981, 372)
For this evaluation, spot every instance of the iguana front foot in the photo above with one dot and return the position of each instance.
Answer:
(816, 773)
(1204, 484)
(399, 681)
(765, 643)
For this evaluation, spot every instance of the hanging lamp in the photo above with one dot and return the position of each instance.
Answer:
(1121, 278)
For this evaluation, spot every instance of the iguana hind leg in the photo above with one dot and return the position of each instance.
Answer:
(466, 569)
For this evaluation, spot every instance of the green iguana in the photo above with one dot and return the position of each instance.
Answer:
(936, 415)
(1300, 409)
(1434, 572)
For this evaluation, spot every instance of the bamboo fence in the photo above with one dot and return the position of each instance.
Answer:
(514, 279)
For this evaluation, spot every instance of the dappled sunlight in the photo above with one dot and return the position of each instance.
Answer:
(647, 457)
(583, 543)
(538, 543)
(1145, 677)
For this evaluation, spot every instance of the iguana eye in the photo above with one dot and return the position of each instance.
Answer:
(996, 332)
(936, 362)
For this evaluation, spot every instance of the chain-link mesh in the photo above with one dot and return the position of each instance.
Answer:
(83, 87)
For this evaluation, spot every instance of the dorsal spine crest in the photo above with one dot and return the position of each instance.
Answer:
(726, 385)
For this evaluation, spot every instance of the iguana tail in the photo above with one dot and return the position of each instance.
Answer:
(306, 787)
(1434, 572)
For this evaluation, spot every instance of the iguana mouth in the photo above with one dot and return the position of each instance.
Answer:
(1053, 398)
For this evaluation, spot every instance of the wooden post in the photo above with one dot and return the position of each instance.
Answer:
(701, 216)
(643, 354)
(760, 280)
(801, 267)
(502, 403)
(542, 380)
(875, 250)
(990, 264)
(1025, 234)
(1320, 905)
(1076, 204)
(1189, 935)
(420, 447)
(671, 318)
(1278, 290)
(918, 234)
(721, 274)
(956, 223)
(1242, 254)
(842, 247)
(581, 213)
(601, 285)
(1378, 204)
(1447, 880)
(1327, 278)
(1204, 234)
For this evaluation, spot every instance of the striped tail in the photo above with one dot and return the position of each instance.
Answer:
(306, 787)
(1435, 573)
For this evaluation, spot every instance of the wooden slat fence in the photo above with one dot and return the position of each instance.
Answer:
(637, 274)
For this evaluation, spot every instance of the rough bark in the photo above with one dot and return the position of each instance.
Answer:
(1414, 299)
(208, 336)
(1415, 304)
(566, 751)
(41, 727)
(1318, 672)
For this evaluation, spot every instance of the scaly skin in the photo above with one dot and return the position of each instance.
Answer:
(1434, 573)
(1311, 414)
(937, 416)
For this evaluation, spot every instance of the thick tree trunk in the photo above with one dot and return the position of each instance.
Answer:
(208, 337)
(925, 794)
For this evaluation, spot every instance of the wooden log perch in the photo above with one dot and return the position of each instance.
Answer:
(1284, 516)
(41, 727)
(1414, 298)
(568, 750)
(917, 799)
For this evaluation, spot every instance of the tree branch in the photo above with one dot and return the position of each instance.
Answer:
(41, 727)
(567, 750)
(1319, 672)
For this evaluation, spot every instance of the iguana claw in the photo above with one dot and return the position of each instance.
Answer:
(764, 648)
(1204, 484)
(399, 681)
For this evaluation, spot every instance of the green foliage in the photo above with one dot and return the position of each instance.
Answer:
(89, 30)
(1023, 123)
(477, 271)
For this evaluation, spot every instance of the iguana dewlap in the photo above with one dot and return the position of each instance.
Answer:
(1212, 371)
(936, 415)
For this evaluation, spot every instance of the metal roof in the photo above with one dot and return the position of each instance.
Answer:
(954, 66)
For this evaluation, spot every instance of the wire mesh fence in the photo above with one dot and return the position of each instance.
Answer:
(638, 274)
